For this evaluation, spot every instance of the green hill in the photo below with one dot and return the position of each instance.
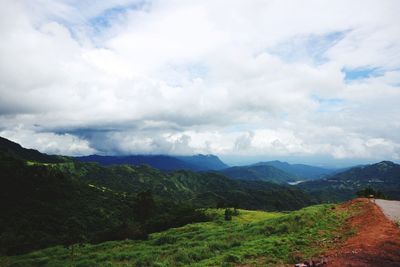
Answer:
(250, 238)
(260, 173)
(45, 204)
(304, 172)
(198, 189)
(383, 176)
(15, 150)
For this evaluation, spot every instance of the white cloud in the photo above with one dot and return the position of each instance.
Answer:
(181, 77)
(49, 143)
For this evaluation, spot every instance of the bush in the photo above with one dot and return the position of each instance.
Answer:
(369, 191)
(228, 215)
(166, 239)
(231, 258)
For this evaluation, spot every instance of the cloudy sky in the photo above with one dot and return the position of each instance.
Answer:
(304, 81)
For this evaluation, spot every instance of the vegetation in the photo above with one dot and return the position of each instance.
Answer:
(196, 189)
(259, 173)
(302, 171)
(41, 206)
(369, 191)
(161, 162)
(251, 237)
(67, 202)
(383, 177)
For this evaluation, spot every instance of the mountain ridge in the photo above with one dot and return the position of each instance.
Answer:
(260, 173)
(163, 162)
(122, 201)
(306, 172)
(383, 176)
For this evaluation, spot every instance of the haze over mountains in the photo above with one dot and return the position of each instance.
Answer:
(162, 162)
(303, 171)
(272, 171)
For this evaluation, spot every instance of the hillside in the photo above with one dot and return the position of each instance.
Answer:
(259, 173)
(89, 202)
(15, 150)
(40, 206)
(383, 176)
(197, 189)
(305, 172)
(204, 162)
(161, 162)
(251, 238)
(376, 241)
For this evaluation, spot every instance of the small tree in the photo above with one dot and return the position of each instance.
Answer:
(228, 215)
(368, 191)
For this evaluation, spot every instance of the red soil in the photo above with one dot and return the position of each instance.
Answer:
(376, 242)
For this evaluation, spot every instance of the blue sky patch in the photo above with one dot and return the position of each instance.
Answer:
(308, 48)
(361, 73)
(328, 104)
(105, 19)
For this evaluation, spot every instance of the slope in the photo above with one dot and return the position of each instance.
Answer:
(383, 176)
(260, 173)
(251, 238)
(204, 162)
(197, 189)
(10, 148)
(41, 207)
(376, 242)
(305, 172)
(161, 162)
(54, 203)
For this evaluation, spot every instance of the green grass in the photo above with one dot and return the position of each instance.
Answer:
(252, 237)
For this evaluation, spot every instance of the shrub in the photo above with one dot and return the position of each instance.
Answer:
(165, 239)
(231, 258)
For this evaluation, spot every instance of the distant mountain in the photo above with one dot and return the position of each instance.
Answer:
(305, 172)
(161, 162)
(260, 173)
(10, 148)
(204, 162)
(385, 171)
(383, 176)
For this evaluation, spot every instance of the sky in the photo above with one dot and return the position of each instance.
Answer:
(303, 81)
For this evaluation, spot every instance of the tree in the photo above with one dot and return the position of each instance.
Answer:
(368, 191)
(228, 215)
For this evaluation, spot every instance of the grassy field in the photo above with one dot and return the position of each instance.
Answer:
(252, 237)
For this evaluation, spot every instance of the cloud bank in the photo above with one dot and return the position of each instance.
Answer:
(252, 79)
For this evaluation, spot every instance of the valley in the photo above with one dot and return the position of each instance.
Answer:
(59, 211)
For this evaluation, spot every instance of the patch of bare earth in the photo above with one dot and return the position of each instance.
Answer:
(376, 242)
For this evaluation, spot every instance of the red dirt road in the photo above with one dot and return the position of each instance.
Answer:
(376, 242)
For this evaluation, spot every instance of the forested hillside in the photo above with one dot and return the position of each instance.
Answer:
(48, 203)
(161, 162)
(383, 176)
(259, 173)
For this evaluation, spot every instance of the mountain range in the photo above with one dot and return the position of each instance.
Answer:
(383, 176)
(42, 196)
(161, 162)
(302, 171)
(260, 173)
(272, 171)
